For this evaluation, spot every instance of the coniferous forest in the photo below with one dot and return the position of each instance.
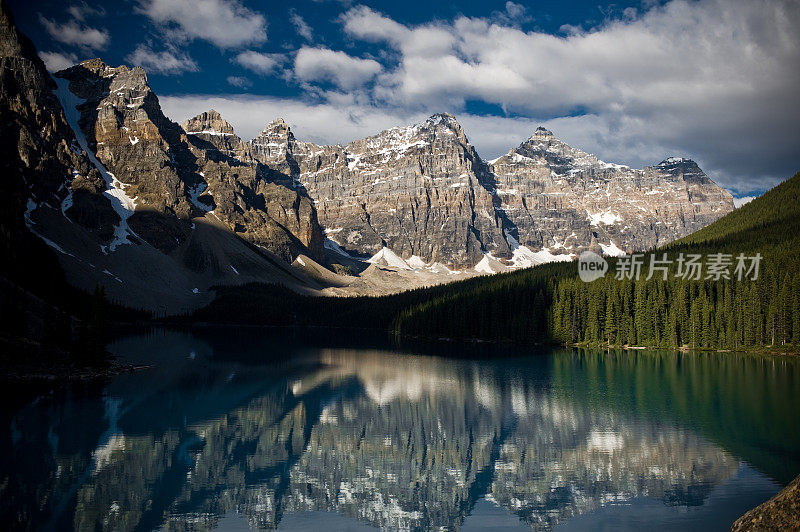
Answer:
(549, 303)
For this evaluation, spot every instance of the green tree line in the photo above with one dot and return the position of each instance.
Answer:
(549, 303)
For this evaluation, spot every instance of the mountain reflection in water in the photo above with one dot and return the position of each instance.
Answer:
(232, 426)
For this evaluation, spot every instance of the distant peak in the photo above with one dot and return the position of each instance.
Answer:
(210, 121)
(444, 119)
(441, 116)
(96, 69)
(670, 161)
(94, 64)
(277, 127)
(542, 132)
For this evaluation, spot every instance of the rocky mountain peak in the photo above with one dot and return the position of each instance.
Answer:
(562, 157)
(276, 131)
(97, 69)
(683, 168)
(209, 122)
(676, 161)
(542, 133)
(444, 119)
(11, 41)
(447, 121)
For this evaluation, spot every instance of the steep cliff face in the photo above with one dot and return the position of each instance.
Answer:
(96, 172)
(423, 192)
(254, 200)
(46, 178)
(164, 169)
(558, 197)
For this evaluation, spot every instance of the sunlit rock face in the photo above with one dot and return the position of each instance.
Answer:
(419, 190)
(560, 197)
(399, 442)
(423, 191)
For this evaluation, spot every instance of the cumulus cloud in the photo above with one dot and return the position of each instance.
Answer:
(168, 62)
(55, 61)
(364, 23)
(302, 27)
(715, 80)
(341, 69)
(744, 200)
(260, 63)
(224, 23)
(75, 34)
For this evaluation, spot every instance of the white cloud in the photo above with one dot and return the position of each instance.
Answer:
(324, 123)
(224, 23)
(239, 81)
(343, 70)
(257, 62)
(82, 11)
(55, 61)
(302, 27)
(513, 15)
(74, 34)
(165, 62)
(715, 80)
(368, 25)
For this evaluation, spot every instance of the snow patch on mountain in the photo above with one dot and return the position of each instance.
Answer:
(194, 196)
(605, 217)
(524, 257)
(211, 132)
(416, 262)
(611, 250)
(387, 257)
(484, 266)
(123, 204)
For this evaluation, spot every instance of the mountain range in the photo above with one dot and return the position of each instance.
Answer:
(159, 213)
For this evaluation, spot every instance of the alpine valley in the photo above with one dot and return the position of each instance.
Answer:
(159, 213)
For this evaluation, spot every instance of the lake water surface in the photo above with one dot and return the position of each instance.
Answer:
(240, 429)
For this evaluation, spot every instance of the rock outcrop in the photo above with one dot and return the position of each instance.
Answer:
(782, 512)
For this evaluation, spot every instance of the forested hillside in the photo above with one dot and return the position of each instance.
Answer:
(549, 303)
(724, 313)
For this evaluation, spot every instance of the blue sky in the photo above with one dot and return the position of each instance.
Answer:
(633, 82)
